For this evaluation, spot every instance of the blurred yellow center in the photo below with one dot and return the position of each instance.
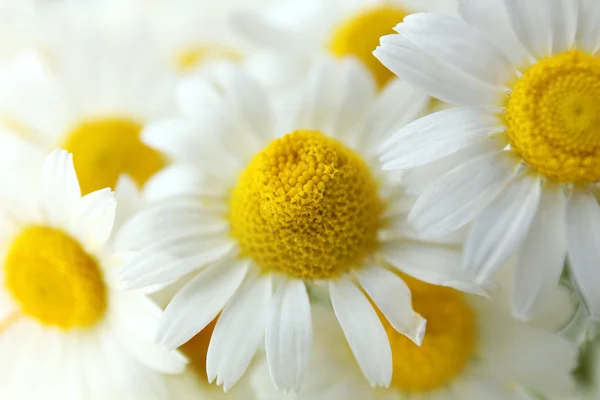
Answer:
(106, 148)
(553, 117)
(54, 280)
(306, 206)
(196, 349)
(449, 342)
(359, 36)
(194, 56)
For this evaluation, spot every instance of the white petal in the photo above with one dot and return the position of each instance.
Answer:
(174, 180)
(363, 330)
(262, 32)
(542, 256)
(583, 238)
(153, 266)
(288, 336)
(563, 20)
(178, 138)
(397, 104)
(94, 217)
(393, 298)
(201, 300)
(452, 40)
(434, 75)
(491, 19)
(459, 196)
(501, 228)
(60, 188)
(438, 135)
(532, 24)
(433, 263)
(588, 26)
(128, 199)
(239, 331)
(135, 321)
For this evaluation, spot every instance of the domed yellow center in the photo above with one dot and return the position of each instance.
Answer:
(359, 36)
(53, 279)
(106, 148)
(448, 345)
(306, 206)
(195, 56)
(553, 117)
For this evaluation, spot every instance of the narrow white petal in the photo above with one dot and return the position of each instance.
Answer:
(458, 197)
(563, 20)
(583, 239)
(60, 188)
(393, 298)
(201, 300)
(288, 336)
(135, 321)
(438, 135)
(452, 39)
(430, 262)
(588, 26)
(95, 217)
(398, 104)
(501, 228)
(172, 181)
(434, 75)
(363, 330)
(532, 24)
(542, 256)
(239, 331)
(178, 138)
(129, 202)
(491, 19)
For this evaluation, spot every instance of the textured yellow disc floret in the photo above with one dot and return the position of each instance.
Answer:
(106, 148)
(553, 117)
(449, 342)
(359, 36)
(54, 280)
(307, 206)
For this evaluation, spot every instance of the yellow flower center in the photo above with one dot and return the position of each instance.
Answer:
(54, 280)
(359, 36)
(306, 206)
(448, 345)
(553, 117)
(196, 350)
(194, 56)
(106, 148)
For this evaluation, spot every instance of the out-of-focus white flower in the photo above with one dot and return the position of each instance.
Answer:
(260, 203)
(522, 152)
(304, 30)
(92, 93)
(472, 350)
(67, 329)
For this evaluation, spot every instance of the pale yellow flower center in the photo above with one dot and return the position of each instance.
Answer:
(106, 148)
(53, 279)
(448, 346)
(553, 117)
(359, 36)
(194, 56)
(306, 206)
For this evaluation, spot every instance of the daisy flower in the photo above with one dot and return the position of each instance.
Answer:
(522, 150)
(473, 349)
(339, 27)
(262, 206)
(67, 329)
(92, 95)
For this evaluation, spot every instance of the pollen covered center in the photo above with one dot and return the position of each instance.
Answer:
(104, 149)
(448, 346)
(359, 35)
(306, 206)
(53, 279)
(553, 117)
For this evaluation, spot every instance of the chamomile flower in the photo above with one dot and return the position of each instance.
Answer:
(522, 150)
(262, 206)
(473, 350)
(67, 329)
(341, 28)
(92, 98)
